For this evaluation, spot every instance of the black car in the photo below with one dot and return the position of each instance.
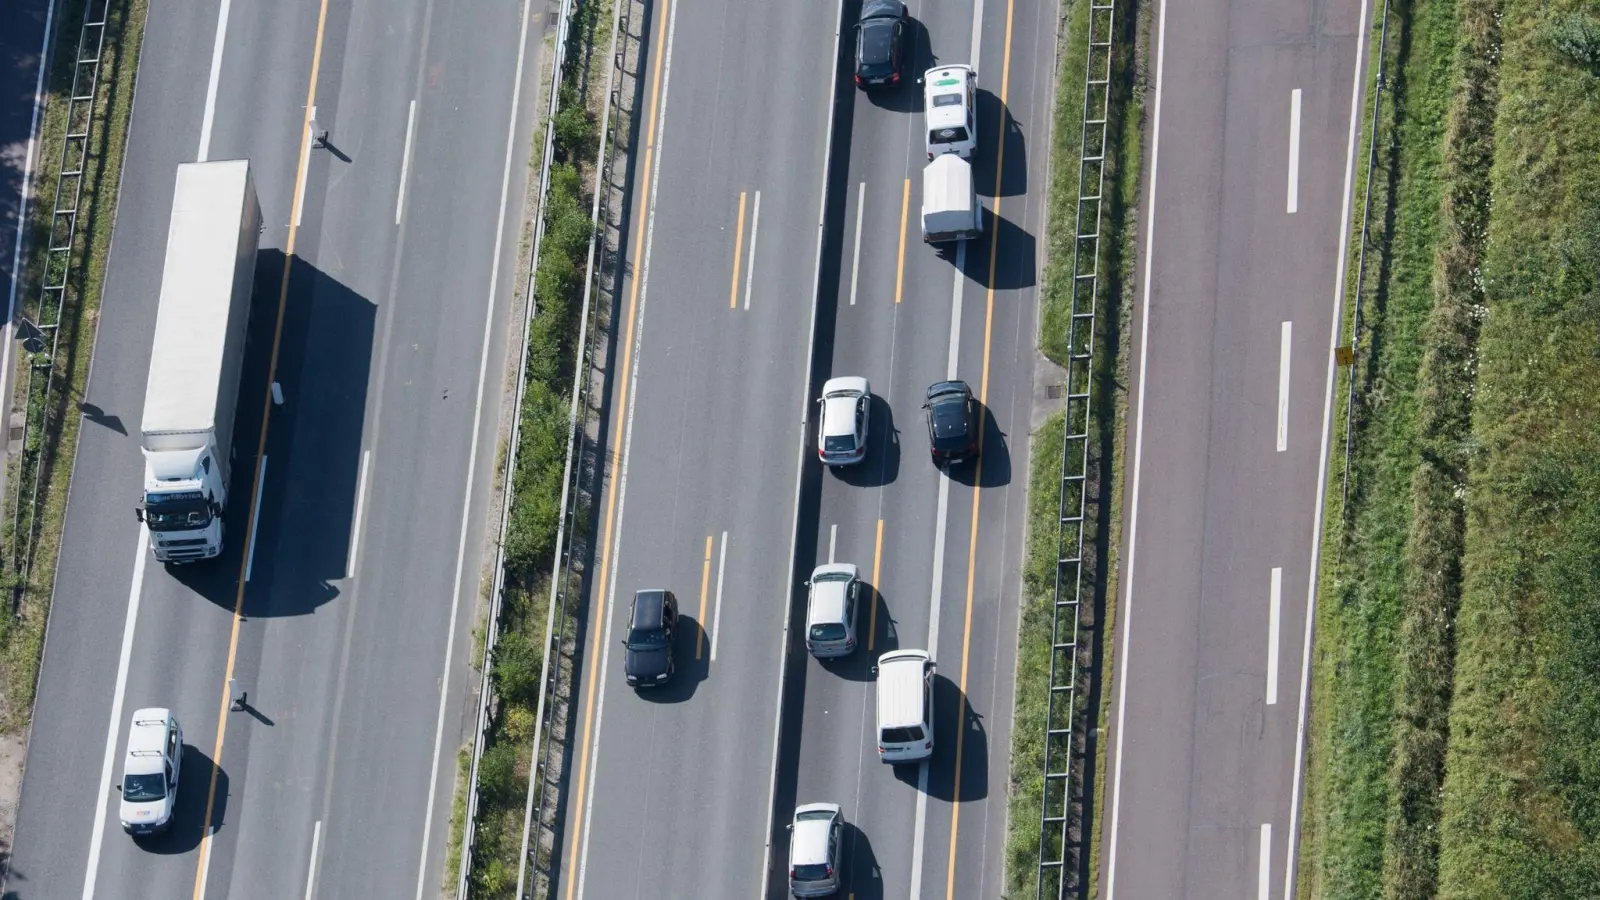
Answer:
(952, 423)
(651, 625)
(880, 43)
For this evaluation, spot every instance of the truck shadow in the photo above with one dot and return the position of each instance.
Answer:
(304, 506)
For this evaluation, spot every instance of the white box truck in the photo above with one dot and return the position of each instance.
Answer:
(197, 358)
(950, 210)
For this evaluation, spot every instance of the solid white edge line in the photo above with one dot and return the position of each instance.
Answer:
(921, 824)
(833, 541)
(977, 34)
(855, 263)
(472, 452)
(361, 507)
(801, 448)
(311, 871)
(255, 516)
(1364, 28)
(135, 590)
(211, 83)
(1284, 342)
(627, 447)
(750, 268)
(1274, 616)
(405, 162)
(1294, 150)
(1124, 619)
(205, 860)
(22, 201)
(956, 291)
(1264, 863)
(716, 612)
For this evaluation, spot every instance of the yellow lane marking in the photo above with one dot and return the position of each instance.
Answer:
(738, 248)
(877, 557)
(900, 266)
(611, 491)
(977, 493)
(261, 448)
(705, 585)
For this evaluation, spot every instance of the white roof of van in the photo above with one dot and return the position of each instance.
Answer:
(900, 688)
(208, 205)
(946, 184)
(941, 81)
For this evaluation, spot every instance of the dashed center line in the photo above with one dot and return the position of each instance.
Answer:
(1294, 150)
(1273, 615)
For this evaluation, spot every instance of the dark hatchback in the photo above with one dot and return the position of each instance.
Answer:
(952, 423)
(880, 43)
(651, 625)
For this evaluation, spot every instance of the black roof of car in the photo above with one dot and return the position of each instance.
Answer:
(647, 609)
(947, 410)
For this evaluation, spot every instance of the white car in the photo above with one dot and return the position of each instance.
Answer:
(150, 772)
(950, 110)
(846, 413)
(815, 838)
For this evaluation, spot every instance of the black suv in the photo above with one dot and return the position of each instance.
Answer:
(952, 423)
(880, 43)
(651, 626)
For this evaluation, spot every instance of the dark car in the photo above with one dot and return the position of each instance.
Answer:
(651, 626)
(952, 423)
(880, 43)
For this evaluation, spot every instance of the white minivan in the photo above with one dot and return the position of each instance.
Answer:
(950, 108)
(905, 706)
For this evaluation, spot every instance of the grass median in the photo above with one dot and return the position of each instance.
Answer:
(1025, 791)
(529, 550)
(46, 458)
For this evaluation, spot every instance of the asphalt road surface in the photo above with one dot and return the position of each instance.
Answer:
(709, 425)
(943, 551)
(357, 597)
(1247, 191)
(668, 788)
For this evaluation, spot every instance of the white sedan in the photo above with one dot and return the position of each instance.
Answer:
(846, 413)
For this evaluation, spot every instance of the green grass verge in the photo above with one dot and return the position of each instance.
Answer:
(1520, 815)
(1123, 151)
(48, 452)
(535, 491)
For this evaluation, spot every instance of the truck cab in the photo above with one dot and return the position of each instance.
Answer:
(185, 493)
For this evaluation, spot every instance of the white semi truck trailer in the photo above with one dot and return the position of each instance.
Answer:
(197, 358)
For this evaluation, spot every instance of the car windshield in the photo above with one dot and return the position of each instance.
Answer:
(183, 511)
(840, 443)
(902, 735)
(827, 631)
(810, 872)
(647, 639)
(144, 788)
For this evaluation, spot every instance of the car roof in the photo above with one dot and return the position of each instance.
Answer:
(811, 824)
(877, 37)
(647, 607)
(945, 80)
(147, 737)
(828, 585)
(900, 688)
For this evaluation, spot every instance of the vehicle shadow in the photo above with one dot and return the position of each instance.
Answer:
(689, 670)
(942, 782)
(1016, 254)
(905, 97)
(189, 816)
(859, 666)
(882, 465)
(992, 117)
(864, 878)
(307, 495)
(992, 467)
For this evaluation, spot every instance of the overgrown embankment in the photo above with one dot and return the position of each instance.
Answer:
(534, 492)
(1453, 739)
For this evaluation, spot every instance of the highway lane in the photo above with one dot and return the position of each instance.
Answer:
(668, 788)
(947, 569)
(345, 694)
(1247, 201)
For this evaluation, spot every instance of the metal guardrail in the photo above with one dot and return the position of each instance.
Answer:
(1057, 809)
(497, 592)
(57, 277)
(565, 581)
(1361, 264)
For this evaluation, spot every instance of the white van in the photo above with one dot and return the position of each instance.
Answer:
(950, 210)
(950, 108)
(905, 706)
